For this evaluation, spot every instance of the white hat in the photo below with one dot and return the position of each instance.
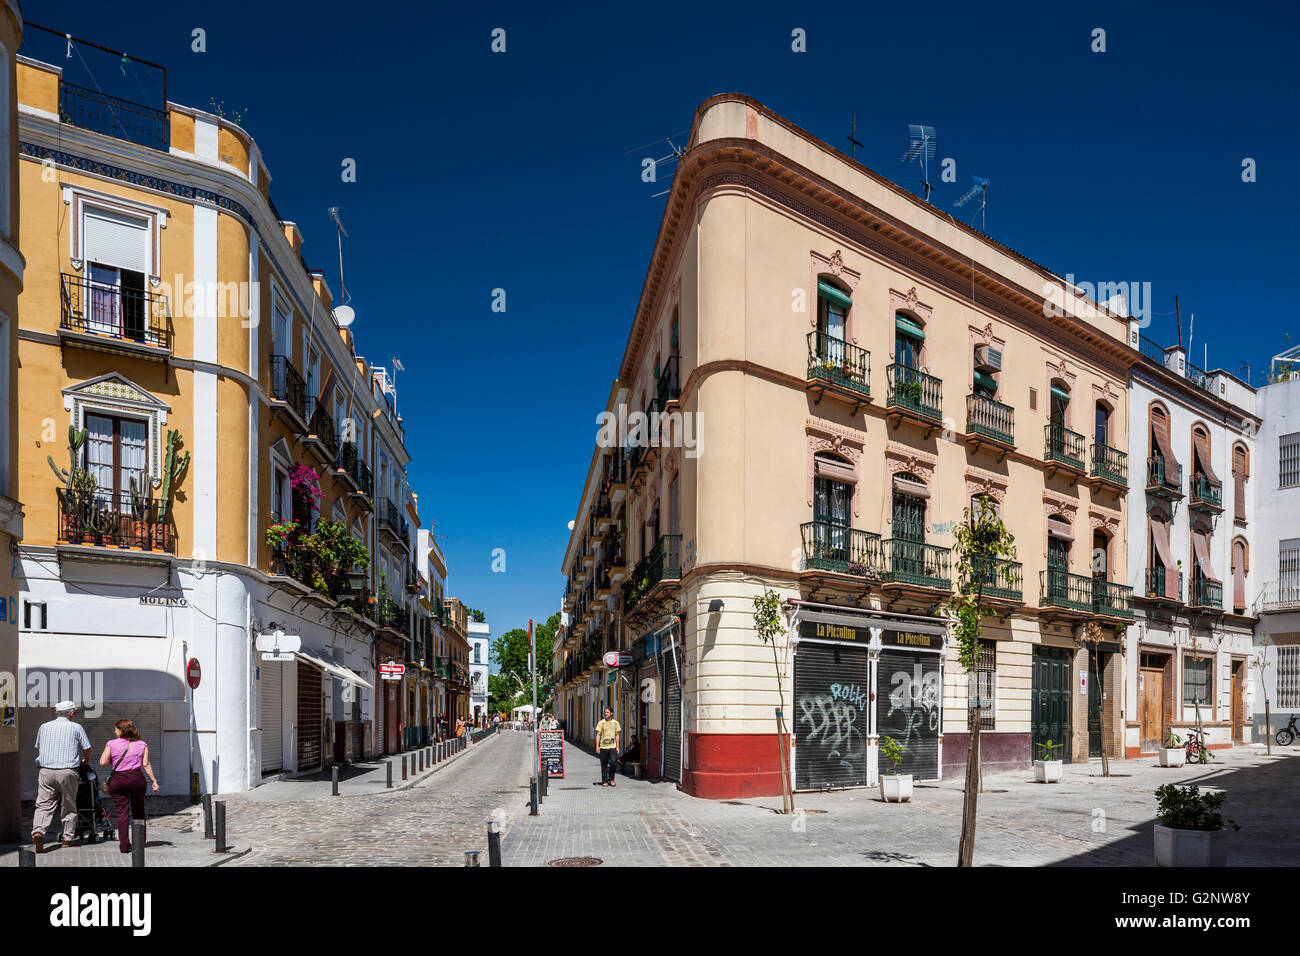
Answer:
(65, 705)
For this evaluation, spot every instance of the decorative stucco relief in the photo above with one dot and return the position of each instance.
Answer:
(826, 436)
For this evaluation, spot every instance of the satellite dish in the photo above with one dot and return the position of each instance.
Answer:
(344, 316)
(570, 525)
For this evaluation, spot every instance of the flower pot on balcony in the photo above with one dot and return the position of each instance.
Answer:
(1173, 756)
(1049, 771)
(1176, 847)
(896, 787)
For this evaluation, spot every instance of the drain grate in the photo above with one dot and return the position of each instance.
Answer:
(575, 861)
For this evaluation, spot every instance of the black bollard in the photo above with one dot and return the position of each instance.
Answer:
(494, 843)
(471, 857)
(26, 857)
(390, 773)
(532, 796)
(207, 816)
(219, 815)
(334, 779)
(403, 766)
(421, 760)
(137, 844)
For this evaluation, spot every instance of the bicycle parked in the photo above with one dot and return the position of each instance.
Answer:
(1197, 752)
(1289, 733)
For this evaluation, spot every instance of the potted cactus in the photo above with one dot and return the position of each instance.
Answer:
(895, 787)
(1047, 770)
(1190, 830)
(1172, 754)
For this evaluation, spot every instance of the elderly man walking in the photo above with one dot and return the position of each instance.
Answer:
(61, 747)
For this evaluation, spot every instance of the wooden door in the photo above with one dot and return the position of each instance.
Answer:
(1151, 696)
(1238, 701)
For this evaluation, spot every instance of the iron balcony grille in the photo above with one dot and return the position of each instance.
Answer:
(1112, 600)
(663, 563)
(321, 428)
(348, 460)
(113, 116)
(1064, 446)
(1164, 477)
(1156, 578)
(990, 418)
(915, 391)
(1206, 493)
(999, 578)
(287, 386)
(390, 519)
(394, 617)
(832, 547)
(917, 563)
(1206, 593)
(669, 388)
(843, 363)
(1065, 590)
(129, 315)
(1109, 463)
(114, 520)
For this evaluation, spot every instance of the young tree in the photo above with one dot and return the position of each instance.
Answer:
(1260, 663)
(768, 625)
(1093, 635)
(982, 541)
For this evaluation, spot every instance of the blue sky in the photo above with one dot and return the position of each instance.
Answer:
(478, 171)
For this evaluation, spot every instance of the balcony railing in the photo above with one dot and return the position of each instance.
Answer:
(1066, 590)
(1206, 593)
(917, 563)
(914, 390)
(395, 617)
(1206, 494)
(1156, 578)
(1163, 478)
(669, 388)
(1282, 595)
(115, 313)
(392, 521)
(288, 387)
(112, 116)
(843, 363)
(321, 430)
(1109, 464)
(1112, 600)
(350, 464)
(615, 471)
(990, 418)
(663, 563)
(830, 547)
(1064, 446)
(113, 520)
(999, 578)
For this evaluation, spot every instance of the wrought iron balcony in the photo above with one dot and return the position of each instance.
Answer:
(113, 317)
(663, 563)
(320, 438)
(1064, 447)
(669, 388)
(1065, 590)
(914, 391)
(999, 578)
(109, 520)
(395, 617)
(1164, 480)
(843, 363)
(288, 390)
(1156, 578)
(1282, 595)
(113, 116)
(990, 418)
(352, 469)
(394, 524)
(918, 564)
(1205, 495)
(615, 471)
(830, 547)
(1112, 600)
(1206, 593)
(1109, 464)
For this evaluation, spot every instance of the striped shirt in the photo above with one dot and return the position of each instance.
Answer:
(61, 744)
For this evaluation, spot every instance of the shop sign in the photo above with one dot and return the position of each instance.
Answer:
(916, 639)
(834, 632)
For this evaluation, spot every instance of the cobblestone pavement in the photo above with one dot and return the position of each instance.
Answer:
(432, 823)
(1086, 820)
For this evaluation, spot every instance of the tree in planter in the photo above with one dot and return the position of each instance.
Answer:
(892, 751)
(1260, 664)
(982, 540)
(1092, 638)
(1186, 808)
(768, 625)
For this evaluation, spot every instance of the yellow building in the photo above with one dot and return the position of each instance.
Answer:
(823, 373)
(193, 417)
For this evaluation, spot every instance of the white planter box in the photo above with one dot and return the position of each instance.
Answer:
(896, 788)
(1049, 771)
(1172, 756)
(1191, 847)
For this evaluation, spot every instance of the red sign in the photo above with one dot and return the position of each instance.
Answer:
(193, 673)
(397, 669)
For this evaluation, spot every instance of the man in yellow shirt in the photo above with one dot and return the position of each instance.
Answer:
(608, 732)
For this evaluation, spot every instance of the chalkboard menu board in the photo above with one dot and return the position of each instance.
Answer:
(550, 752)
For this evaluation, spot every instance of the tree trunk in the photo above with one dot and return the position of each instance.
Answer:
(1101, 714)
(966, 849)
(1268, 729)
(787, 798)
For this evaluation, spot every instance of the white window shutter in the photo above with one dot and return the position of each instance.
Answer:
(114, 240)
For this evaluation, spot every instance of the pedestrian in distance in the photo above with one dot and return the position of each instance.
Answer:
(128, 755)
(608, 733)
(61, 747)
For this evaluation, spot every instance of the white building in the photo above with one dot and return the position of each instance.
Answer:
(480, 646)
(1191, 522)
(432, 567)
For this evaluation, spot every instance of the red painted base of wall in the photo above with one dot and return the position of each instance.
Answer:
(652, 755)
(727, 766)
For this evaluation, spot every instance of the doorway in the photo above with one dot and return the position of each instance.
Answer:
(1238, 700)
(1151, 702)
(1050, 716)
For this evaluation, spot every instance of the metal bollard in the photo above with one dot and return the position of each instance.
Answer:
(545, 780)
(390, 774)
(471, 857)
(219, 814)
(334, 778)
(137, 844)
(207, 816)
(532, 796)
(429, 754)
(421, 760)
(26, 857)
(494, 843)
(403, 766)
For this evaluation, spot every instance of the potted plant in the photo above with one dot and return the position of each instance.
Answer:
(1172, 753)
(1190, 831)
(895, 787)
(1047, 770)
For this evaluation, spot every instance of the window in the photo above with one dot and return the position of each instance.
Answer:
(832, 500)
(117, 457)
(1288, 571)
(1101, 425)
(1240, 475)
(909, 340)
(833, 305)
(982, 685)
(1288, 460)
(35, 616)
(477, 649)
(1197, 680)
(1060, 405)
(1288, 677)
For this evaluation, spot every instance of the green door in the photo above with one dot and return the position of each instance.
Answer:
(1094, 702)
(1050, 711)
(909, 535)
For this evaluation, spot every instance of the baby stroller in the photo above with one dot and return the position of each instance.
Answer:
(94, 822)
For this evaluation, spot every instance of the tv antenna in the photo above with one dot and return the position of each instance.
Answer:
(397, 367)
(343, 289)
(921, 147)
(981, 189)
(853, 138)
(675, 154)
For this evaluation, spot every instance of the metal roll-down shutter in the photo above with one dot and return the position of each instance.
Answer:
(831, 716)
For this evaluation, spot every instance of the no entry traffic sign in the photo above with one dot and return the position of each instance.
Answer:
(193, 673)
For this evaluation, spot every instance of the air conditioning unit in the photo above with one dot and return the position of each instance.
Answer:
(988, 359)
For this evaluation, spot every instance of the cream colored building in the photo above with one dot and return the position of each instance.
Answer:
(832, 369)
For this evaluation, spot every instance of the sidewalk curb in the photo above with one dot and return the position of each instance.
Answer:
(430, 771)
(235, 855)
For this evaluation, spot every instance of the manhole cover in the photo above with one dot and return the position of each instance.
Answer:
(575, 861)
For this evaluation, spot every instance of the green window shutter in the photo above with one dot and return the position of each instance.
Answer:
(988, 381)
(1060, 394)
(828, 291)
(909, 327)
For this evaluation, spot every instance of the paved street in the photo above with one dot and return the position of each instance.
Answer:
(1087, 820)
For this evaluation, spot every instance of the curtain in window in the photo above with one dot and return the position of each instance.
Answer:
(99, 455)
(134, 465)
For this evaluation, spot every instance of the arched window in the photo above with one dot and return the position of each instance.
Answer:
(1101, 555)
(1163, 469)
(1060, 404)
(1101, 424)
(1240, 475)
(833, 306)
(1205, 483)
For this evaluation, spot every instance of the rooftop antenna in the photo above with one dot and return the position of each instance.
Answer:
(981, 188)
(677, 152)
(1178, 317)
(343, 314)
(921, 146)
(853, 138)
(397, 367)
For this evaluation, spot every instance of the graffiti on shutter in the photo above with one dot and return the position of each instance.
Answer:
(831, 716)
(908, 708)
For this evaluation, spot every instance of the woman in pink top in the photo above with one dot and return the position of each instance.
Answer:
(128, 755)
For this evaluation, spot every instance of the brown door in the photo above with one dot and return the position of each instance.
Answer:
(310, 712)
(1238, 702)
(391, 728)
(1151, 695)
